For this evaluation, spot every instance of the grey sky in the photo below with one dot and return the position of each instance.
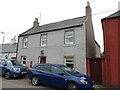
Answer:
(17, 16)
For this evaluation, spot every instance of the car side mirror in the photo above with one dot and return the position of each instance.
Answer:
(5, 64)
(61, 73)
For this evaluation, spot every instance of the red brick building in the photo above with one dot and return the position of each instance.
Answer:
(111, 64)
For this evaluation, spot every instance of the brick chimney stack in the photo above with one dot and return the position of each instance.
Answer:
(90, 37)
(35, 23)
(88, 9)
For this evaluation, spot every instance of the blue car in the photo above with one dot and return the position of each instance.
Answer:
(12, 69)
(59, 76)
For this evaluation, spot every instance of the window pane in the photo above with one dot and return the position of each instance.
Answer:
(69, 65)
(25, 42)
(55, 70)
(69, 61)
(69, 33)
(69, 37)
(38, 67)
(69, 58)
(44, 37)
(23, 60)
(3, 62)
(43, 40)
(45, 68)
(69, 40)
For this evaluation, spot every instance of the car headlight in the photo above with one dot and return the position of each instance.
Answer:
(83, 81)
(16, 69)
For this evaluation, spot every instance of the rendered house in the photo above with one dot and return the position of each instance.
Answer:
(67, 42)
(8, 51)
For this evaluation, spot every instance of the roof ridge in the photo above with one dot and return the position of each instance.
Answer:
(55, 25)
(63, 20)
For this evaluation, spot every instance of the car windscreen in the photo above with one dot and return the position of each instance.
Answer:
(9, 63)
(69, 70)
(15, 62)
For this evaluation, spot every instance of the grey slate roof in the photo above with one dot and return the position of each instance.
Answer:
(9, 48)
(56, 26)
(114, 15)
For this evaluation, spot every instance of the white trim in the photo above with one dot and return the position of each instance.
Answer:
(23, 60)
(25, 42)
(69, 37)
(43, 40)
(73, 61)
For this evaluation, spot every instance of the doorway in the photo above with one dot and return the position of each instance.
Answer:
(96, 70)
(42, 59)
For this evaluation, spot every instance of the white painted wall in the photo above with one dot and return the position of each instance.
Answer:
(3, 55)
(56, 49)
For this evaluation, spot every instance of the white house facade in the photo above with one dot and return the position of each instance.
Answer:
(63, 42)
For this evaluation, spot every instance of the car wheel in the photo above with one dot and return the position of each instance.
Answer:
(72, 86)
(34, 81)
(7, 75)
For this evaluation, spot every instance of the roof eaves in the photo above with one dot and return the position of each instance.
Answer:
(51, 30)
(27, 30)
(97, 44)
(114, 15)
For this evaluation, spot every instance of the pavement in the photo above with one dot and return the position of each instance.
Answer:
(102, 87)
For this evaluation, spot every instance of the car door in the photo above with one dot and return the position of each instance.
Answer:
(56, 79)
(3, 67)
(42, 72)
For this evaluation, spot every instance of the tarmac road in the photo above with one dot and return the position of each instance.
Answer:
(24, 84)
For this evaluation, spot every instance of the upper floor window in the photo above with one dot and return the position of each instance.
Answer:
(25, 42)
(69, 37)
(44, 40)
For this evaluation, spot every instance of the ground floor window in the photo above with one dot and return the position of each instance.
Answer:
(69, 61)
(23, 60)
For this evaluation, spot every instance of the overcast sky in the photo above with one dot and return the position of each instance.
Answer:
(17, 16)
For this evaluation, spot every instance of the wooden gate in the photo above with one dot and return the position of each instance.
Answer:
(96, 70)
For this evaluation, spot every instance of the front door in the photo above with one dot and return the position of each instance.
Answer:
(42, 59)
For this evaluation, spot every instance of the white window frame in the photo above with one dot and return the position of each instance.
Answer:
(25, 42)
(69, 61)
(22, 60)
(69, 37)
(43, 40)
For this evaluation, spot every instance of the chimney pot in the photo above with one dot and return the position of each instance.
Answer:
(88, 9)
(13, 41)
(88, 3)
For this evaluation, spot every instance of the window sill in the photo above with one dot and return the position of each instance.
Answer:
(43, 46)
(24, 47)
(69, 45)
